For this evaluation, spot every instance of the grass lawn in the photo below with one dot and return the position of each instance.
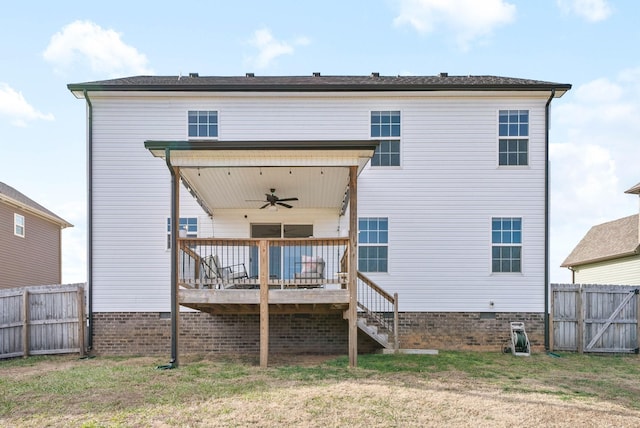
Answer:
(449, 389)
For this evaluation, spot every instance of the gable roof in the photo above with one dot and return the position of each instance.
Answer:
(611, 240)
(635, 190)
(318, 83)
(10, 195)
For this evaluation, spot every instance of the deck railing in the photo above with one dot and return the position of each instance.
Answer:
(235, 263)
(378, 306)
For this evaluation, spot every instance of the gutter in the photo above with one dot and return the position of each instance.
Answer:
(546, 219)
(89, 221)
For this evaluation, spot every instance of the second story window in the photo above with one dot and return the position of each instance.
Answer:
(513, 137)
(385, 125)
(203, 124)
(18, 225)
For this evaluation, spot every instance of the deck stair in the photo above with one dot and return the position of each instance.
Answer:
(375, 332)
(377, 313)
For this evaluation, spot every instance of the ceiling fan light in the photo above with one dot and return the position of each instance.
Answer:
(272, 208)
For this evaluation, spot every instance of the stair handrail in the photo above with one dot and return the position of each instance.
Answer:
(367, 287)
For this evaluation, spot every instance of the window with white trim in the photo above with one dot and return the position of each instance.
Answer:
(513, 137)
(386, 124)
(203, 124)
(506, 244)
(373, 244)
(188, 226)
(18, 225)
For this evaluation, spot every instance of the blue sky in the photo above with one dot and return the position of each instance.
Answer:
(592, 44)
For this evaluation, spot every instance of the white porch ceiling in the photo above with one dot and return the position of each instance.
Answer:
(234, 174)
(245, 187)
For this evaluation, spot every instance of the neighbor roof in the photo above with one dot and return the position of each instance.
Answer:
(12, 196)
(635, 190)
(611, 240)
(318, 83)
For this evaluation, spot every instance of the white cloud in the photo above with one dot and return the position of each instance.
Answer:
(593, 162)
(269, 48)
(17, 109)
(467, 19)
(102, 50)
(591, 10)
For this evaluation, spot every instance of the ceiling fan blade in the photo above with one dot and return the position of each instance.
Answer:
(288, 199)
(265, 205)
(284, 205)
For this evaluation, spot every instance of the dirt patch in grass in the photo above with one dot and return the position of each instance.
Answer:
(319, 391)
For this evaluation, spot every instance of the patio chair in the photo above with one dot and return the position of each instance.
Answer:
(311, 273)
(220, 276)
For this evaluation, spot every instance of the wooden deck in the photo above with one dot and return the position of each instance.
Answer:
(287, 301)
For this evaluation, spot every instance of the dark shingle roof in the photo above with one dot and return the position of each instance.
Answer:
(12, 194)
(611, 240)
(317, 83)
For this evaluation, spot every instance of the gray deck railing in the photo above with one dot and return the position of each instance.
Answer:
(234, 263)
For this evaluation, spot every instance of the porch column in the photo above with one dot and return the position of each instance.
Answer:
(353, 266)
(264, 303)
(175, 224)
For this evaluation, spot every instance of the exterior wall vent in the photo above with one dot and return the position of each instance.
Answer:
(316, 74)
(250, 75)
(193, 75)
(375, 74)
(444, 74)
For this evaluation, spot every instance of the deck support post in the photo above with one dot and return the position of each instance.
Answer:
(353, 266)
(264, 303)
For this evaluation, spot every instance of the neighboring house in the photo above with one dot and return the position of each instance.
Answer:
(431, 187)
(609, 253)
(30, 241)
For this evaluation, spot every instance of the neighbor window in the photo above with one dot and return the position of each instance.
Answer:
(187, 224)
(513, 137)
(203, 124)
(506, 244)
(386, 124)
(18, 225)
(373, 243)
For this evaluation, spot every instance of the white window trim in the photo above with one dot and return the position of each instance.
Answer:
(187, 122)
(522, 270)
(191, 235)
(388, 244)
(16, 216)
(399, 138)
(498, 138)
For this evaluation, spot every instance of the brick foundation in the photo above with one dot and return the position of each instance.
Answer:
(467, 330)
(149, 333)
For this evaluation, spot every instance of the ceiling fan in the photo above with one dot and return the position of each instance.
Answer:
(273, 200)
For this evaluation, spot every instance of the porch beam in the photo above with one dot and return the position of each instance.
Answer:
(353, 270)
(264, 303)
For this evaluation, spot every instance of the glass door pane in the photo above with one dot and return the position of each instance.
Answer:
(271, 230)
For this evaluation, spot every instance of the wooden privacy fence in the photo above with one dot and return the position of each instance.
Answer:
(40, 320)
(594, 318)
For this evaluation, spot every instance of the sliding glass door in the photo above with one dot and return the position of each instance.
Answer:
(283, 261)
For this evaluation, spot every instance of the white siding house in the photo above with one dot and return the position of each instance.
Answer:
(609, 253)
(461, 208)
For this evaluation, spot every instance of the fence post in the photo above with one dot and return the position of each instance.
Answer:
(81, 332)
(396, 345)
(637, 321)
(25, 323)
(551, 312)
(580, 313)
